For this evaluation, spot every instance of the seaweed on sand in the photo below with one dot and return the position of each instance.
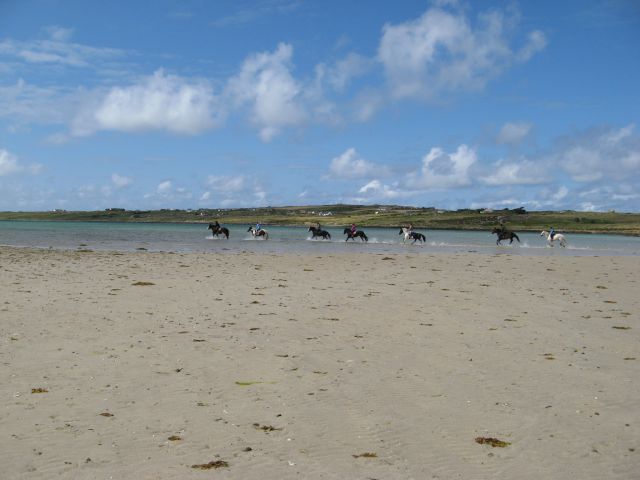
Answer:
(211, 464)
(366, 455)
(494, 442)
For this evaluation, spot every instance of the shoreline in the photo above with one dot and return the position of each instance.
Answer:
(335, 226)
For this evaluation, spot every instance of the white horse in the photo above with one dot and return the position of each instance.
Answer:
(259, 233)
(411, 235)
(558, 237)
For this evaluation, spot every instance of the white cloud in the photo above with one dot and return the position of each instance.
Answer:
(350, 165)
(441, 51)
(256, 11)
(266, 85)
(513, 133)
(225, 183)
(366, 104)
(524, 172)
(444, 170)
(560, 194)
(120, 181)
(22, 103)
(164, 187)
(57, 49)
(59, 34)
(598, 154)
(233, 190)
(537, 42)
(159, 102)
(8, 163)
(339, 75)
(378, 190)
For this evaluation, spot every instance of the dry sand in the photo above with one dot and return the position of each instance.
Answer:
(293, 366)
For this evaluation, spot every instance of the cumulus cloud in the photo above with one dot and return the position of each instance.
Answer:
(340, 74)
(524, 172)
(367, 103)
(266, 85)
(233, 190)
(442, 51)
(9, 165)
(602, 153)
(445, 170)
(378, 190)
(226, 183)
(350, 165)
(158, 102)
(120, 181)
(164, 187)
(513, 133)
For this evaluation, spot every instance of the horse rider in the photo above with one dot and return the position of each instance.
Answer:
(216, 225)
(353, 229)
(552, 233)
(258, 227)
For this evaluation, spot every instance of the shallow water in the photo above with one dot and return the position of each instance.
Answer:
(196, 238)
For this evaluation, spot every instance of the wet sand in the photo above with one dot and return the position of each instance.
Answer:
(332, 366)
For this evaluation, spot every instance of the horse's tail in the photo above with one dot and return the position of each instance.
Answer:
(328, 235)
(365, 237)
(516, 237)
(266, 235)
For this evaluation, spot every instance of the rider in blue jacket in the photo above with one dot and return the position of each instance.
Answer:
(552, 233)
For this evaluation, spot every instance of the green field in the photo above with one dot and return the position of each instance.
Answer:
(363, 215)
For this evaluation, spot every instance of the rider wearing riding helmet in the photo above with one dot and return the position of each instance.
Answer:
(552, 233)
(258, 227)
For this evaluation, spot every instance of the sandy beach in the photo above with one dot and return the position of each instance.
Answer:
(275, 366)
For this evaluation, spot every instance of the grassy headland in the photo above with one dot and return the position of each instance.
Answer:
(363, 215)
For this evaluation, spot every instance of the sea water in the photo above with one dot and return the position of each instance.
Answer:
(182, 238)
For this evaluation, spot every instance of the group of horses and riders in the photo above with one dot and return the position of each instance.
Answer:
(407, 231)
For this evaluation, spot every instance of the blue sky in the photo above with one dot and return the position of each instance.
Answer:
(190, 104)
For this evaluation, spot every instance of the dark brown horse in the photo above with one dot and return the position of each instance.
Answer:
(317, 232)
(504, 235)
(359, 233)
(216, 230)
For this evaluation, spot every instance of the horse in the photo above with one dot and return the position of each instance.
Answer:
(216, 230)
(359, 233)
(411, 235)
(260, 233)
(558, 237)
(319, 233)
(505, 235)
